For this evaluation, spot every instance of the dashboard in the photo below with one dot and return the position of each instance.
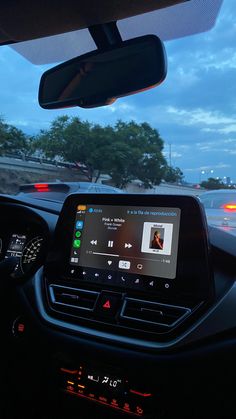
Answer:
(117, 307)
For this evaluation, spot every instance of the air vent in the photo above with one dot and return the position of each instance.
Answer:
(141, 311)
(72, 300)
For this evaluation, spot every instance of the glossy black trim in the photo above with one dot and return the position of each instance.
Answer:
(194, 278)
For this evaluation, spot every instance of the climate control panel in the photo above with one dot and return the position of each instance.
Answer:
(108, 387)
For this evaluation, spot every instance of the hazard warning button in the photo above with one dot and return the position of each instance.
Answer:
(108, 304)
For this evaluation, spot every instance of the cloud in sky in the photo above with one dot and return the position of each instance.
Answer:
(217, 146)
(194, 109)
(200, 116)
(209, 169)
(226, 130)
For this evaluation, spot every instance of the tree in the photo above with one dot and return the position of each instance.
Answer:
(12, 139)
(75, 141)
(3, 135)
(173, 174)
(136, 154)
(212, 183)
(126, 151)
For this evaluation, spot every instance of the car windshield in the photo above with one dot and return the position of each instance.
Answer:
(176, 138)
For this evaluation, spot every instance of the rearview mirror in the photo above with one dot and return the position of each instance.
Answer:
(100, 77)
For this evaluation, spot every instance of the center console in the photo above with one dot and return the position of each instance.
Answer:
(133, 265)
(132, 270)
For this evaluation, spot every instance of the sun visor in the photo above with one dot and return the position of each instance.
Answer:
(174, 22)
(26, 19)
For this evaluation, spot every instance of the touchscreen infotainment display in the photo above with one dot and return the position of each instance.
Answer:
(126, 239)
(135, 244)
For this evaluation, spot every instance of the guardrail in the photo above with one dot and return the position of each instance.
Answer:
(40, 160)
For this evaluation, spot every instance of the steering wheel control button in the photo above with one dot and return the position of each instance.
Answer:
(108, 304)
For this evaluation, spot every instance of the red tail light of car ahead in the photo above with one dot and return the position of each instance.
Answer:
(230, 207)
(41, 187)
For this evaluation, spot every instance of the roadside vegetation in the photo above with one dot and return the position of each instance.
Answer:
(125, 151)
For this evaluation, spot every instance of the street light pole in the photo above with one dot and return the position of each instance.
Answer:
(202, 172)
(170, 156)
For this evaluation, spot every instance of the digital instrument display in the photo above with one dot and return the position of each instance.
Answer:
(16, 246)
(135, 240)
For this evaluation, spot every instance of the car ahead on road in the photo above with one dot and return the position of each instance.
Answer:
(57, 191)
(220, 207)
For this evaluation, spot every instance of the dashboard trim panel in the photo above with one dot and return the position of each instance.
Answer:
(210, 323)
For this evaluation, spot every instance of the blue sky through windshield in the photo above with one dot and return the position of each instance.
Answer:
(194, 109)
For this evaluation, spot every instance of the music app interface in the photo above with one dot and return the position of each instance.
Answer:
(135, 240)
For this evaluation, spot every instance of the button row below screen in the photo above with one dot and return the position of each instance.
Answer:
(120, 279)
